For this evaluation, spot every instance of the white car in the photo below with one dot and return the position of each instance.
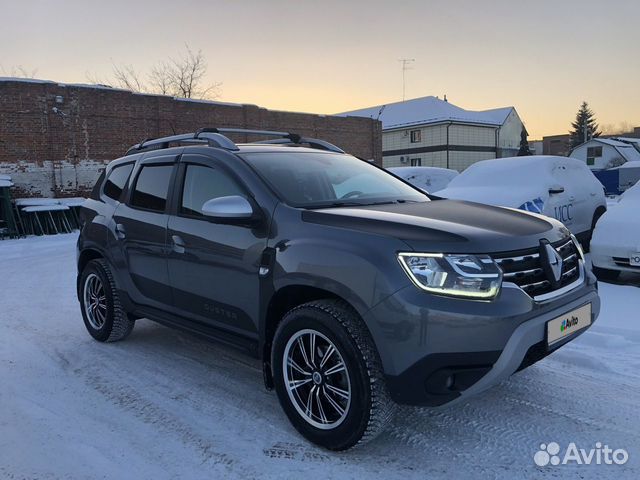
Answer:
(615, 246)
(429, 179)
(559, 187)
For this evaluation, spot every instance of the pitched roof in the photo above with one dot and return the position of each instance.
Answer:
(625, 149)
(426, 110)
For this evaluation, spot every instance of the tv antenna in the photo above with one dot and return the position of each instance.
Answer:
(406, 65)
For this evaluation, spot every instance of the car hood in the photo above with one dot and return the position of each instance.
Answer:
(446, 225)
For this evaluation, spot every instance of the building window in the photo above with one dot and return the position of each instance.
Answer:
(416, 162)
(416, 136)
(594, 152)
(591, 161)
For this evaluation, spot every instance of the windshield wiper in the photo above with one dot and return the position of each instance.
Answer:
(334, 204)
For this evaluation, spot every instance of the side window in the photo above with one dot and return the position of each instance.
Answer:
(152, 187)
(203, 183)
(117, 180)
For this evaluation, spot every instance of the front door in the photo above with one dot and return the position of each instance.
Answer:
(213, 267)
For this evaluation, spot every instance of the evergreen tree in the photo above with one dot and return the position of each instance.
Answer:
(585, 120)
(524, 144)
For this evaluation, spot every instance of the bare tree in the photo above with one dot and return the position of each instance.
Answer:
(182, 76)
(160, 80)
(188, 73)
(19, 71)
(620, 129)
(127, 77)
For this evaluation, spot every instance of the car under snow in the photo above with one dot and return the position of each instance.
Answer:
(615, 246)
(559, 187)
(429, 179)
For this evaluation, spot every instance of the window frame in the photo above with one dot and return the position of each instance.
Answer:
(418, 136)
(594, 152)
(102, 193)
(203, 161)
(156, 161)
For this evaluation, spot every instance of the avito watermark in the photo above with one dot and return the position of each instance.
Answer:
(550, 454)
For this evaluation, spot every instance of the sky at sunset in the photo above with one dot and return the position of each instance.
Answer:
(542, 57)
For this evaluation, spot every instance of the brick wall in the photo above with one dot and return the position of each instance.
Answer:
(49, 154)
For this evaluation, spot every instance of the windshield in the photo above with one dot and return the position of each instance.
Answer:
(316, 180)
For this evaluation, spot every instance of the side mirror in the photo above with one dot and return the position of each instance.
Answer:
(554, 189)
(231, 209)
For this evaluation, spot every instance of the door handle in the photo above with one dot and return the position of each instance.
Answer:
(178, 244)
(120, 231)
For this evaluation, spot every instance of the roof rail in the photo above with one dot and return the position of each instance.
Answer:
(215, 137)
(211, 138)
(293, 139)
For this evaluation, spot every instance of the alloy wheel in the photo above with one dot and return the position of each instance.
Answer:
(95, 301)
(316, 379)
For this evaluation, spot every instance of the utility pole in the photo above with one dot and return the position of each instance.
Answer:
(406, 62)
(586, 131)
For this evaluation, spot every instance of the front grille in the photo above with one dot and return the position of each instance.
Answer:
(526, 270)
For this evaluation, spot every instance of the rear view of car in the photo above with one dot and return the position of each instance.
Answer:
(558, 187)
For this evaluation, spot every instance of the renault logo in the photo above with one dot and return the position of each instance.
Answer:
(554, 260)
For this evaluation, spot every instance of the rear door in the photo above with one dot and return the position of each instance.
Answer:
(141, 230)
(213, 266)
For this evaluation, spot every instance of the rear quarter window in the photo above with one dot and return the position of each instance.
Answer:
(117, 180)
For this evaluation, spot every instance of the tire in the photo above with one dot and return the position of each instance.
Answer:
(368, 409)
(106, 320)
(606, 275)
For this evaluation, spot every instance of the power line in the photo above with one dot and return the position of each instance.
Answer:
(406, 62)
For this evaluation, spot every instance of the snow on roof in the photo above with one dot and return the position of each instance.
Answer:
(626, 150)
(627, 139)
(5, 183)
(44, 208)
(112, 89)
(30, 202)
(427, 110)
(633, 164)
(24, 80)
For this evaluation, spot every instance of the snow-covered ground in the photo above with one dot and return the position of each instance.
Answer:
(164, 404)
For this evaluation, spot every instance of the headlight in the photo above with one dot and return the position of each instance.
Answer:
(467, 276)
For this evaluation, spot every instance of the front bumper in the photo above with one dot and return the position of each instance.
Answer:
(614, 257)
(436, 350)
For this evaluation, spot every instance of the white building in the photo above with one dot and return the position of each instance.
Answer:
(431, 132)
(604, 153)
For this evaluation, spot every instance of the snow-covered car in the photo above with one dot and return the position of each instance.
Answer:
(429, 179)
(615, 246)
(559, 187)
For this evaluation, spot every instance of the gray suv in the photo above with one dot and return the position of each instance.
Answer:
(356, 290)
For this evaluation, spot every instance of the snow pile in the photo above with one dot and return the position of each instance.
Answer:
(429, 179)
